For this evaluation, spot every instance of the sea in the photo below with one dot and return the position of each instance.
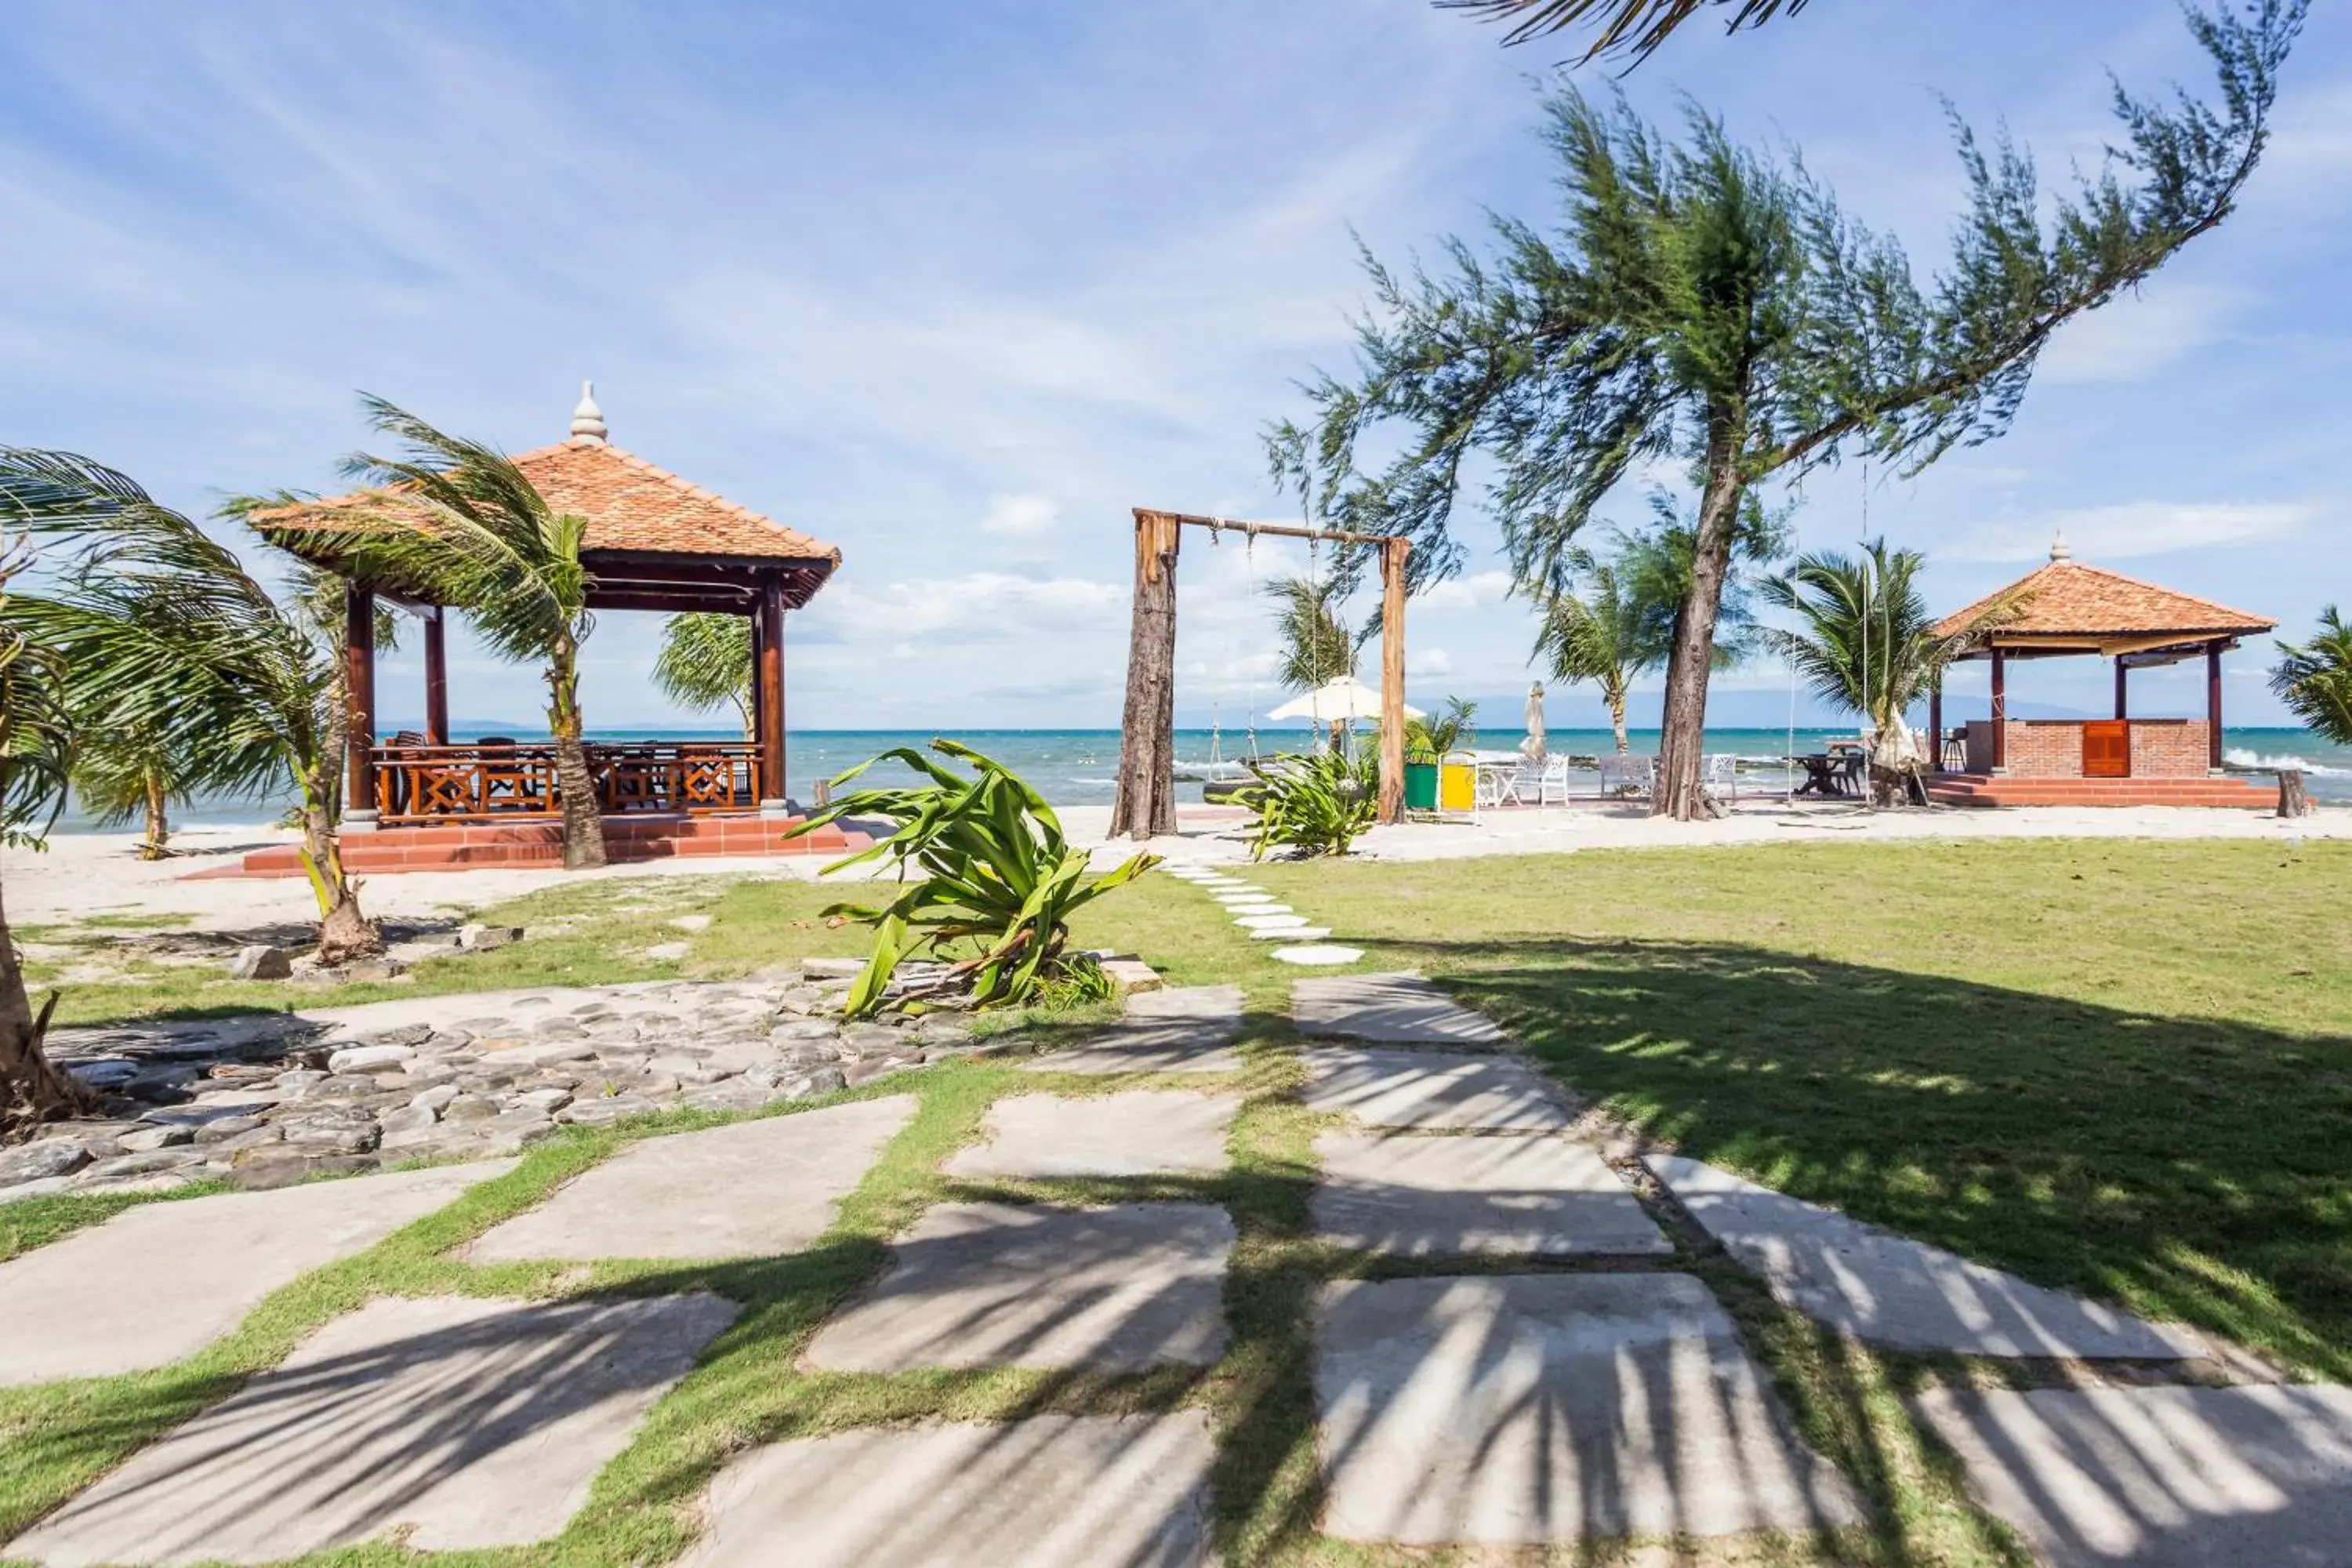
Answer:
(1077, 767)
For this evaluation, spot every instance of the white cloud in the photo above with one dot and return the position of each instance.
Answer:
(1019, 515)
(1428, 661)
(2139, 528)
(978, 608)
(2135, 336)
(1478, 591)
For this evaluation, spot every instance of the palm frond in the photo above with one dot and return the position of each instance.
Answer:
(1315, 644)
(706, 661)
(2314, 679)
(1622, 26)
(35, 726)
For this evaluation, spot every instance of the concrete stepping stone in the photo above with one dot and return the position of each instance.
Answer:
(1517, 1410)
(1292, 933)
(1140, 1134)
(1416, 1197)
(465, 1422)
(757, 1189)
(74, 1309)
(1890, 1291)
(1315, 954)
(1433, 1089)
(1180, 1029)
(2160, 1478)
(1392, 1009)
(1051, 1491)
(1123, 1289)
(1255, 922)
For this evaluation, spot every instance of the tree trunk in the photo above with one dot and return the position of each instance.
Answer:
(583, 824)
(345, 932)
(32, 1089)
(159, 827)
(1144, 806)
(2293, 800)
(1682, 732)
(1615, 692)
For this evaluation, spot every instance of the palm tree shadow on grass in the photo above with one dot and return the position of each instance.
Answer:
(2191, 1167)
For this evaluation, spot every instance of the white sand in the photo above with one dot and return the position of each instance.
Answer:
(96, 873)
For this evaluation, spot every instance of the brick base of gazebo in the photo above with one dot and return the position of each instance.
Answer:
(457, 847)
(1986, 789)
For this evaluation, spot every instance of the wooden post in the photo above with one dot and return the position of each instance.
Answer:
(770, 665)
(437, 679)
(2123, 688)
(1144, 806)
(1393, 555)
(751, 724)
(1936, 726)
(2213, 706)
(359, 679)
(2000, 711)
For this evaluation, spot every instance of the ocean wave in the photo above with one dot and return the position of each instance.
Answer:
(2240, 757)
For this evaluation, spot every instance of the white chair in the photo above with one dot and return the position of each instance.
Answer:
(1634, 776)
(1547, 783)
(1720, 775)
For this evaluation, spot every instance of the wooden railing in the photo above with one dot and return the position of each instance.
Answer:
(514, 782)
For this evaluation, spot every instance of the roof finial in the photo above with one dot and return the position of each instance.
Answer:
(2059, 549)
(587, 419)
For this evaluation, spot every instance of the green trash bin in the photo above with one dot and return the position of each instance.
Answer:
(1421, 786)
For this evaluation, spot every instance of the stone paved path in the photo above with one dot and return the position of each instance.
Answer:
(1904, 1294)
(1573, 1384)
(162, 1281)
(469, 1422)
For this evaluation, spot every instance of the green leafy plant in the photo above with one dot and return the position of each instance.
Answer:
(1313, 804)
(997, 882)
(2315, 679)
(1430, 740)
(705, 661)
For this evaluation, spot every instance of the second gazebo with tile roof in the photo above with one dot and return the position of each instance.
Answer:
(2067, 607)
(653, 541)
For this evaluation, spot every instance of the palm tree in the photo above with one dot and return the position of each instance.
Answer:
(458, 521)
(706, 659)
(35, 758)
(2315, 679)
(1866, 644)
(1621, 624)
(159, 625)
(1316, 645)
(1602, 633)
(119, 774)
(1635, 26)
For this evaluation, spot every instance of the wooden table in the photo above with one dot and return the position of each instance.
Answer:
(1829, 773)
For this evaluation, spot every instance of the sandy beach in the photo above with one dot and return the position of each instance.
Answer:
(98, 874)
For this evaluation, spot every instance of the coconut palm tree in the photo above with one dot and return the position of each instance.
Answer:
(1599, 632)
(35, 758)
(119, 774)
(1864, 642)
(1622, 26)
(2314, 679)
(457, 521)
(706, 661)
(1316, 645)
(159, 625)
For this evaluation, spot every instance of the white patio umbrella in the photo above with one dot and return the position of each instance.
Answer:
(1336, 700)
(1534, 748)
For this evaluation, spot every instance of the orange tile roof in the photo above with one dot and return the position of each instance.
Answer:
(2066, 598)
(629, 504)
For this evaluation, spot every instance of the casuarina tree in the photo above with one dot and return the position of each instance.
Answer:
(1619, 26)
(1704, 301)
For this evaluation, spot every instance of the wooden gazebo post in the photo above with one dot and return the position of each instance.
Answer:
(437, 679)
(2213, 704)
(359, 706)
(771, 624)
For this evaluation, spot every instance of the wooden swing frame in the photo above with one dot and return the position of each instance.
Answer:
(1145, 804)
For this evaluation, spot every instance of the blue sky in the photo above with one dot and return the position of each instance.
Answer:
(955, 285)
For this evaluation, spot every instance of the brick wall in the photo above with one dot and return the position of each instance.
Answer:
(2042, 748)
(2052, 748)
(2171, 749)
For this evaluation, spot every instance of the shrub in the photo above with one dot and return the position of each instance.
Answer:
(998, 882)
(1313, 804)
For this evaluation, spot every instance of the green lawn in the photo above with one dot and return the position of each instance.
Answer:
(2122, 1067)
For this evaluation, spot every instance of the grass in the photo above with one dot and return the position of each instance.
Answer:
(2089, 1062)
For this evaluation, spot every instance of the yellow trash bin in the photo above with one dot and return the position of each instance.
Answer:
(1457, 786)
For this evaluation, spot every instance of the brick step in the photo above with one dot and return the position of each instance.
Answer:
(466, 847)
(1979, 790)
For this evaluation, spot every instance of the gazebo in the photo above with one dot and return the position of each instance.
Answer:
(654, 542)
(2066, 608)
